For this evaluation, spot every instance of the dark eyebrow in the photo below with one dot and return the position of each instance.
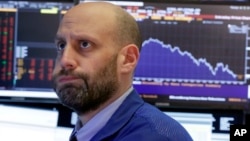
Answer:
(57, 37)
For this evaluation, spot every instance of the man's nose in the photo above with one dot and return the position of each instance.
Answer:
(68, 58)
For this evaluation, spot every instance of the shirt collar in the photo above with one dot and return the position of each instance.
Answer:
(87, 131)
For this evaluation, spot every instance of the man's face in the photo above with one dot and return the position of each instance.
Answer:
(85, 75)
(83, 96)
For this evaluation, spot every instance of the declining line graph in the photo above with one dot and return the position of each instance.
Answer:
(202, 55)
(163, 62)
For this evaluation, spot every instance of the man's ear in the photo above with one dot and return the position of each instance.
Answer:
(129, 56)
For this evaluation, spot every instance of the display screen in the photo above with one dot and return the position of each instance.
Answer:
(193, 55)
(27, 50)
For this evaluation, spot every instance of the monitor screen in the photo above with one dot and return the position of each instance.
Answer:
(193, 54)
(27, 48)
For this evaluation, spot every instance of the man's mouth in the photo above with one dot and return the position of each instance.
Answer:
(65, 79)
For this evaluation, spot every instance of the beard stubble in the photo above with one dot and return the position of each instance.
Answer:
(85, 97)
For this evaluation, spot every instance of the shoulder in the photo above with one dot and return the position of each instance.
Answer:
(136, 120)
(157, 124)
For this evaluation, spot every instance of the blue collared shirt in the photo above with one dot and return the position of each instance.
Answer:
(87, 131)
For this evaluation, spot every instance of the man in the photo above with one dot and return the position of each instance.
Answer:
(98, 47)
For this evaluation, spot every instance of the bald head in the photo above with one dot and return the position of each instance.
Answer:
(116, 22)
(95, 40)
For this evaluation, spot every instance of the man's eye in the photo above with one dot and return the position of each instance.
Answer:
(60, 46)
(85, 44)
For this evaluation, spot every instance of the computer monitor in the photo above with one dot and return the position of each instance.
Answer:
(193, 55)
(27, 48)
